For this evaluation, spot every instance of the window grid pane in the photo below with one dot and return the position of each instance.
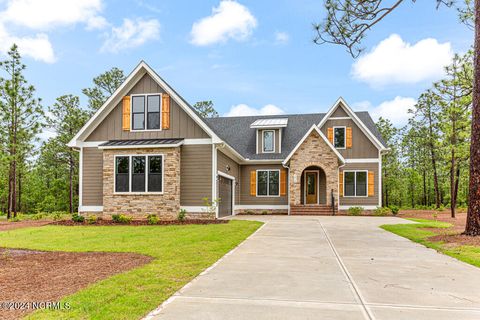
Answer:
(273, 183)
(121, 174)
(155, 174)
(153, 112)
(339, 141)
(138, 174)
(349, 184)
(262, 180)
(268, 141)
(361, 184)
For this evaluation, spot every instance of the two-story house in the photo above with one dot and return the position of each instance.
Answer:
(146, 150)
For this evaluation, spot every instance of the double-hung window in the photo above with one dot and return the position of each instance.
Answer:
(268, 183)
(139, 173)
(355, 183)
(339, 137)
(268, 137)
(146, 112)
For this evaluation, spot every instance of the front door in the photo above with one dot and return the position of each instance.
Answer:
(311, 192)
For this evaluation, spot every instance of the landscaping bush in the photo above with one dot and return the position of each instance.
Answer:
(182, 214)
(250, 212)
(77, 218)
(264, 212)
(394, 209)
(57, 215)
(92, 219)
(152, 219)
(355, 211)
(121, 218)
(15, 219)
(39, 216)
(381, 211)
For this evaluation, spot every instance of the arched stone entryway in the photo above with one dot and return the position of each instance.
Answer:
(313, 184)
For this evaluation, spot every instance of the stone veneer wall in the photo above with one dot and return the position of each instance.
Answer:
(313, 152)
(138, 205)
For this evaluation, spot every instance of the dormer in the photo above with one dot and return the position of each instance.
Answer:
(269, 134)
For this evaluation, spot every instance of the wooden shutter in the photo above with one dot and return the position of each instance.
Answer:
(283, 182)
(349, 137)
(371, 183)
(253, 183)
(165, 111)
(126, 113)
(330, 135)
(340, 184)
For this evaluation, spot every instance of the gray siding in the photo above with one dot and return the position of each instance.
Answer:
(92, 177)
(362, 201)
(181, 124)
(196, 174)
(339, 112)
(222, 162)
(260, 141)
(361, 148)
(246, 198)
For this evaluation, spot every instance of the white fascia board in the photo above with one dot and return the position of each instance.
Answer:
(364, 160)
(197, 141)
(143, 146)
(312, 128)
(355, 119)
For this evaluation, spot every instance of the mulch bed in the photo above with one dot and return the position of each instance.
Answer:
(7, 225)
(103, 222)
(28, 276)
(450, 236)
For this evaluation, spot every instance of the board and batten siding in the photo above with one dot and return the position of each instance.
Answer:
(246, 198)
(195, 174)
(92, 177)
(362, 201)
(181, 124)
(224, 161)
(361, 148)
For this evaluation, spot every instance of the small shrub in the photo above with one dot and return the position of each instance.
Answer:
(92, 219)
(57, 215)
(121, 218)
(381, 211)
(355, 211)
(264, 212)
(182, 214)
(78, 218)
(15, 219)
(441, 208)
(394, 210)
(39, 216)
(435, 216)
(152, 219)
(249, 212)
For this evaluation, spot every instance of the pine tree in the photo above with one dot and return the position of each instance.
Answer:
(104, 85)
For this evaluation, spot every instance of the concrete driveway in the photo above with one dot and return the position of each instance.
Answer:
(329, 268)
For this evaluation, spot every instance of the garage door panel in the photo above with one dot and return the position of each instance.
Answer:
(225, 195)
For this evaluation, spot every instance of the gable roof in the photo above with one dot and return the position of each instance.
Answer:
(140, 70)
(314, 128)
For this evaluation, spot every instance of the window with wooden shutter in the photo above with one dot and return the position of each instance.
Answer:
(165, 111)
(371, 183)
(126, 113)
(330, 134)
(340, 184)
(349, 137)
(253, 183)
(283, 182)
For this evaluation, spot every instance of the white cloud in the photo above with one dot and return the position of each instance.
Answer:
(240, 110)
(282, 37)
(37, 47)
(131, 34)
(395, 110)
(230, 20)
(49, 14)
(394, 61)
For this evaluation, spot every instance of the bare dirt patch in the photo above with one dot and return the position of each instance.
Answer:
(7, 225)
(450, 236)
(28, 276)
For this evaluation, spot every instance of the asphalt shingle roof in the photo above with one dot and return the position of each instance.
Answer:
(237, 133)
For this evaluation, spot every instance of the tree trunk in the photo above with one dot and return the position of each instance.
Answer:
(424, 187)
(473, 216)
(452, 184)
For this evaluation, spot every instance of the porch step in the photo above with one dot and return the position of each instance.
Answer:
(310, 210)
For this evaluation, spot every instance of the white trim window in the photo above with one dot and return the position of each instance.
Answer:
(355, 183)
(268, 141)
(339, 137)
(268, 183)
(146, 110)
(139, 173)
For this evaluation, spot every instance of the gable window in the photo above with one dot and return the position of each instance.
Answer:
(146, 112)
(339, 137)
(355, 183)
(268, 183)
(268, 140)
(139, 173)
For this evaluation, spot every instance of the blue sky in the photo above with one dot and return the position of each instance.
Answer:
(243, 55)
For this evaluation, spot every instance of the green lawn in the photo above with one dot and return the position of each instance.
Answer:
(180, 252)
(416, 233)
